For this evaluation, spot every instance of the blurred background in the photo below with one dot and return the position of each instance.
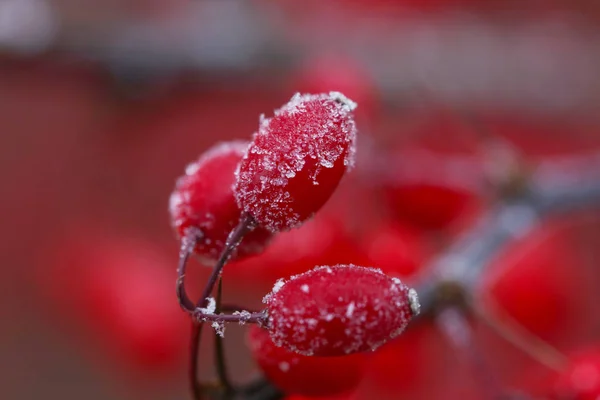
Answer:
(102, 105)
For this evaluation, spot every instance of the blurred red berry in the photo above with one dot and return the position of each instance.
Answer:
(304, 375)
(296, 160)
(121, 289)
(396, 250)
(533, 282)
(320, 241)
(338, 310)
(327, 73)
(581, 378)
(203, 199)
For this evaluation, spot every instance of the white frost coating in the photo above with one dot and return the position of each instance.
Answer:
(305, 288)
(350, 310)
(373, 309)
(179, 201)
(244, 316)
(413, 299)
(276, 287)
(340, 98)
(284, 366)
(219, 328)
(310, 130)
(210, 307)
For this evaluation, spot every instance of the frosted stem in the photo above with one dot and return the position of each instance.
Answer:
(245, 225)
(188, 243)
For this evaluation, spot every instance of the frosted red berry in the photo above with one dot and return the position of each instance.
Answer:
(203, 199)
(338, 310)
(296, 160)
(304, 375)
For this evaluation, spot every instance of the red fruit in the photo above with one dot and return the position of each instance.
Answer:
(427, 206)
(203, 199)
(305, 375)
(338, 310)
(320, 241)
(330, 72)
(122, 290)
(405, 357)
(296, 160)
(396, 250)
(581, 379)
(534, 283)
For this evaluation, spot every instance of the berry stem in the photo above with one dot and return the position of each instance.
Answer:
(245, 225)
(195, 337)
(511, 331)
(457, 329)
(220, 362)
(253, 318)
(188, 243)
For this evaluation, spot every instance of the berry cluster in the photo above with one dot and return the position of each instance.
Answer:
(259, 206)
(238, 195)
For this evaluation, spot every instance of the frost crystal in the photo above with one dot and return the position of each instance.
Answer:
(211, 306)
(284, 366)
(350, 309)
(304, 140)
(219, 328)
(244, 316)
(413, 298)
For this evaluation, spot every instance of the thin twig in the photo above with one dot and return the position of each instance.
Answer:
(457, 329)
(245, 225)
(220, 362)
(510, 330)
(195, 385)
(188, 243)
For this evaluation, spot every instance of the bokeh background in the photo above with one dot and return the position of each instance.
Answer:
(102, 104)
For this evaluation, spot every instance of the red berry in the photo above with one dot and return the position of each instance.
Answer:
(121, 289)
(338, 310)
(296, 160)
(331, 72)
(203, 199)
(304, 375)
(581, 379)
(396, 250)
(320, 241)
(535, 284)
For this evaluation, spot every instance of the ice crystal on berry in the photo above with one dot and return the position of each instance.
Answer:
(296, 160)
(349, 309)
(203, 203)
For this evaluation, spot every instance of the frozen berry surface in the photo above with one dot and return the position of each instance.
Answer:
(297, 159)
(203, 200)
(337, 310)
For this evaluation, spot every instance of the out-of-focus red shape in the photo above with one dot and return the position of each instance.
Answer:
(305, 375)
(535, 282)
(329, 72)
(395, 249)
(121, 290)
(323, 240)
(581, 378)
